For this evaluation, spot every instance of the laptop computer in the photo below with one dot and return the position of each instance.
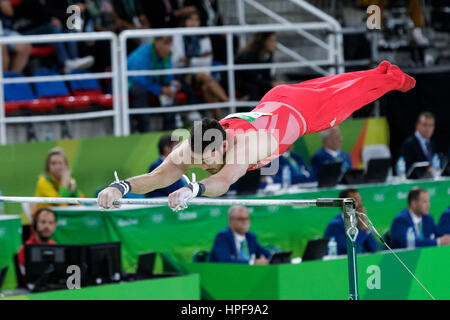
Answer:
(377, 170)
(329, 174)
(315, 249)
(419, 170)
(281, 257)
(353, 176)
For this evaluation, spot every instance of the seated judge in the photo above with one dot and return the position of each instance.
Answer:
(331, 151)
(44, 225)
(444, 221)
(418, 147)
(417, 216)
(236, 244)
(300, 173)
(365, 242)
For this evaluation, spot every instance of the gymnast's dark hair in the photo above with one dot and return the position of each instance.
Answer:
(206, 134)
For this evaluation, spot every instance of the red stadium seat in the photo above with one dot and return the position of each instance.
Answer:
(42, 105)
(13, 106)
(76, 102)
(42, 51)
(105, 100)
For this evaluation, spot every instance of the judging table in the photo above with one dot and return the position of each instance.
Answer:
(380, 276)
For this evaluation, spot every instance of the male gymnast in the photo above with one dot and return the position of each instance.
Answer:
(247, 141)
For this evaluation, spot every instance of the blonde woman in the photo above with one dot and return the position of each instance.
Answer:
(56, 181)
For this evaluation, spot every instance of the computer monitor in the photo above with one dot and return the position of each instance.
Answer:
(46, 265)
(281, 257)
(146, 264)
(315, 249)
(249, 183)
(103, 263)
(419, 170)
(377, 170)
(353, 176)
(329, 174)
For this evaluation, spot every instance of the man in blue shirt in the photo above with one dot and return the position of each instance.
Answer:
(365, 242)
(163, 88)
(300, 173)
(417, 217)
(331, 151)
(444, 221)
(236, 244)
(165, 146)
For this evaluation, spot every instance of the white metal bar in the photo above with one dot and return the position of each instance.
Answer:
(60, 117)
(63, 37)
(125, 108)
(280, 19)
(191, 107)
(114, 53)
(224, 29)
(250, 66)
(97, 75)
(295, 55)
(326, 202)
(2, 102)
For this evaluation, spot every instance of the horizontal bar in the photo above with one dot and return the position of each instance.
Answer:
(98, 75)
(332, 202)
(61, 117)
(225, 29)
(238, 67)
(60, 37)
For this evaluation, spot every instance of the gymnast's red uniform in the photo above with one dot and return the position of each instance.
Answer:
(291, 110)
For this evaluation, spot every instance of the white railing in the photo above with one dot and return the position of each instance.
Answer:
(230, 67)
(100, 36)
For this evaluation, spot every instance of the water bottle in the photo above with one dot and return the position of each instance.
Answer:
(2, 207)
(410, 238)
(286, 177)
(401, 169)
(332, 247)
(436, 164)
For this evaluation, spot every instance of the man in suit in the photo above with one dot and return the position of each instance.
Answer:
(418, 147)
(165, 147)
(365, 242)
(236, 244)
(417, 216)
(331, 151)
(444, 221)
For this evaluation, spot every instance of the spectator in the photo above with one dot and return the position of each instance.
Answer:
(254, 84)
(128, 14)
(210, 16)
(236, 244)
(164, 13)
(56, 180)
(330, 151)
(365, 242)
(20, 51)
(418, 147)
(444, 222)
(414, 12)
(417, 216)
(196, 51)
(149, 56)
(165, 147)
(37, 17)
(44, 225)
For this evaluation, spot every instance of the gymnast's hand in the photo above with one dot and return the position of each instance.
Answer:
(178, 200)
(107, 197)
